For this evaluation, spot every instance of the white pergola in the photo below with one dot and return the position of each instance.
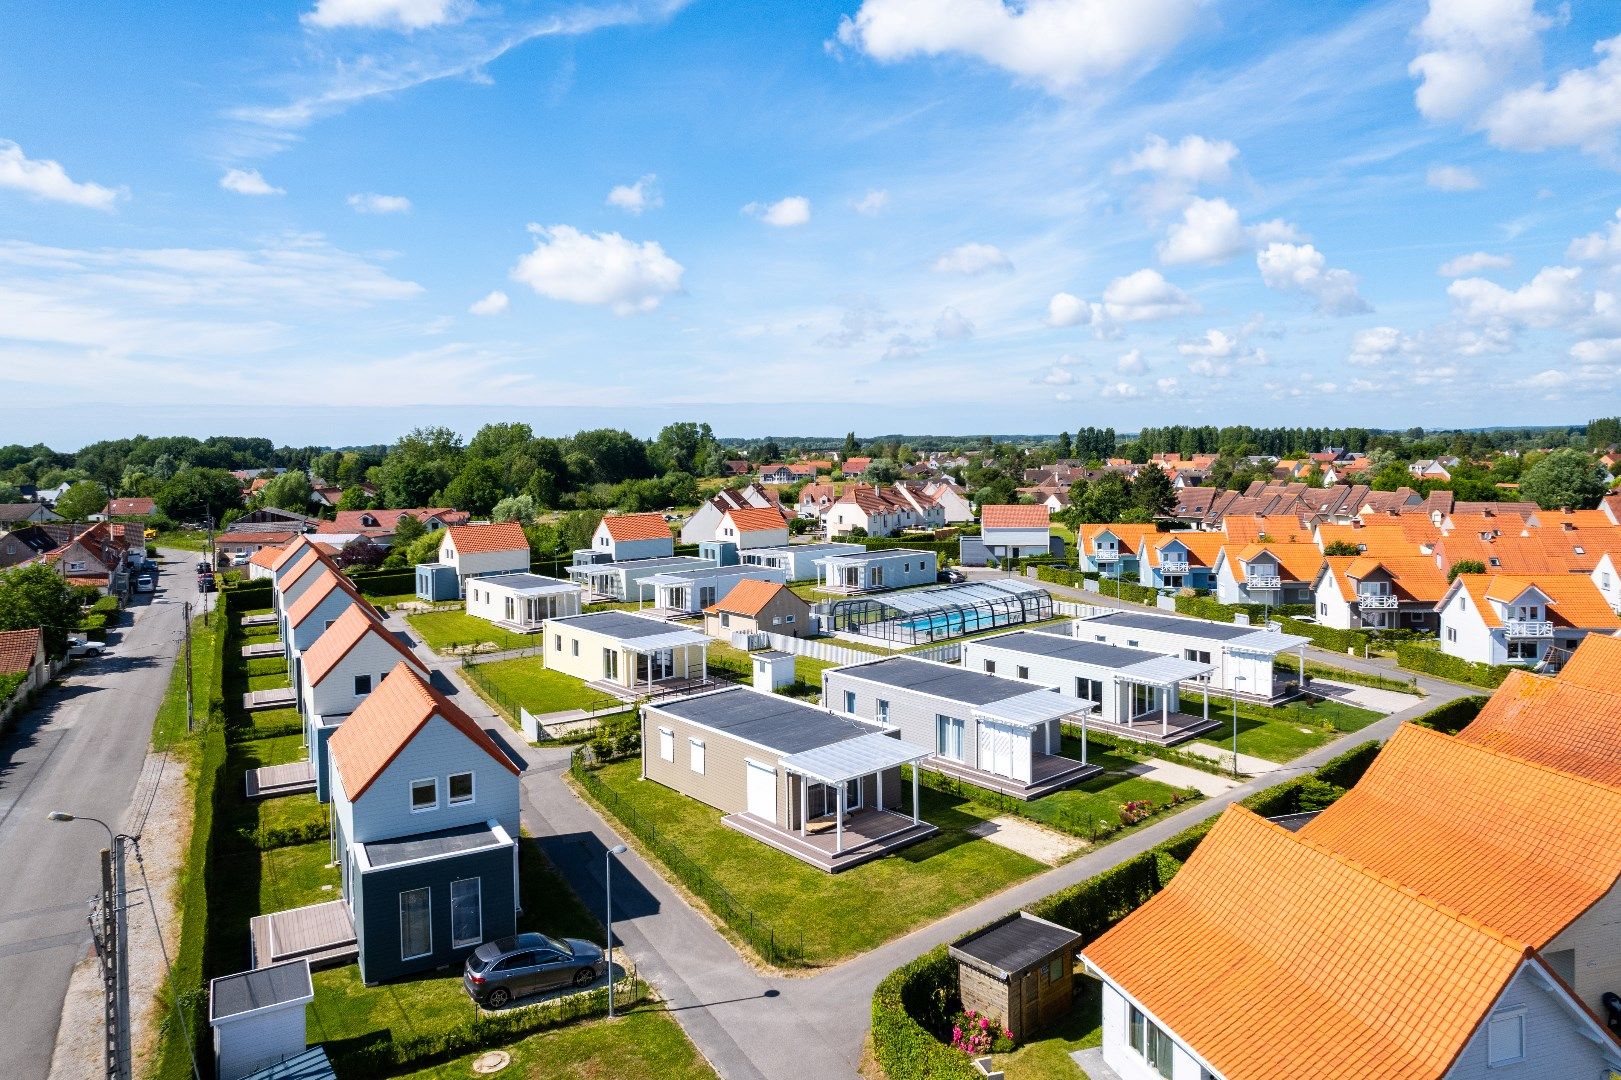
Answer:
(1031, 711)
(1165, 673)
(836, 764)
(650, 644)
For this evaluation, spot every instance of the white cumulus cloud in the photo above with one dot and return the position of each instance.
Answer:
(373, 203)
(45, 179)
(1141, 296)
(1120, 390)
(1451, 178)
(1058, 376)
(1472, 45)
(872, 203)
(644, 194)
(953, 325)
(1208, 233)
(248, 182)
(1582, 109)
(1059, 43)
(1374, 346)
(1301, 268)
(784, 213)
(598, 268)
(398, 14)
(1067, 309)
(1131, 363)
(972, 259)
(1601, 246)
(1192, 160)
(1554, 297)
(1473, 263)
(493, 304)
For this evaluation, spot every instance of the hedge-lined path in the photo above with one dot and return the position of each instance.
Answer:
(750, 1025)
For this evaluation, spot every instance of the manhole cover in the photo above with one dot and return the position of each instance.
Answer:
(493, 1062)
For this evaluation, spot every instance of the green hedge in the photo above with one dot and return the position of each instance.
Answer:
(1205, 607)
(249, 594)
(107, 605)
(385, 582)
(263, 839)
(94, 626)
(1326, 637)
(1454, 716)
(1125, 590)
(1437, 663)
(906, 1049)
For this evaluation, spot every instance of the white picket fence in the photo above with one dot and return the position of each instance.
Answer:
(949, 652)
(816, 650)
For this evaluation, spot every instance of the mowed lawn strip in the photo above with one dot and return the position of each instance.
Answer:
(529, 683)
(447, 629)
(644, 1042)
(1287, 731)
(836, 915)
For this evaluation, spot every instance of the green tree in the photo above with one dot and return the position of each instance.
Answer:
(1106, 499)
(1152, 491)
(1465, 566)
(10, 493)
(82, 500)
(477, 488)
(1341, 547)
(882, 471)
(194, 494)
(577, 528)
(289, 491)
(408, 531)
(852, 448)
(514, 508)
(354, 498)
(36, 595)
(1566, 478)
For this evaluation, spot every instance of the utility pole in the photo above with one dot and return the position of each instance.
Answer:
(107, 953)
(112, 945)
(121, 963)
(187, 661)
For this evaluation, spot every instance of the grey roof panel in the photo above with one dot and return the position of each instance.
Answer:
(874, 554)
(246, 991)
(943, 680)
(1095, 653)
(1143, 620)
(434, 845)
(616, 624)
(528, 582)
(1016, 943)
(643, 564)
(770, 720)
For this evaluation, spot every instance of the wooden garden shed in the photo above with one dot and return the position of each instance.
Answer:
(1020, 969)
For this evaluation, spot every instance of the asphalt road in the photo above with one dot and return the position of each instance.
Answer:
(80, 749)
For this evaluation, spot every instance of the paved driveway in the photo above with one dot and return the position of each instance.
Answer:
(79, 749)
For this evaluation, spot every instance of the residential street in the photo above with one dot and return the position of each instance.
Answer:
(749, 1025)
(81, 750)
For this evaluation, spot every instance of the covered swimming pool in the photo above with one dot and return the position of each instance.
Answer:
(921, 616)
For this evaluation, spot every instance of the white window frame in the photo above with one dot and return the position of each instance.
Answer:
(697, 758)
(403, 895)
(883, 711)
(850, 701)
(472, 792)
(358, 691)
(415, 784)
(667, 744)
(456, 942)
(1515, 1015)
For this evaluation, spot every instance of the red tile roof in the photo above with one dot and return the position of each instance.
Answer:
(1555, 722)
(1595, 663)
(387, 721)
(748, 598)
(1015, 517)
(339, 640)
(131, 508)
(757, 519)
(1272, 956)
(480, 539)
(18, 650)
(627, 527)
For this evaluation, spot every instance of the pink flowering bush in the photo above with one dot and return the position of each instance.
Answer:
(977, 1035)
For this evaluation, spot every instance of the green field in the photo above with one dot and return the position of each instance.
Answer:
(528, 683)
(835, 915)
(1287, 731)
(446, 630)
(643, 1042)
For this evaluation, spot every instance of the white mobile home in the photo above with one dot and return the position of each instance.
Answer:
(1242, 656)
(621, 581)
(691, 591)
(521, 602)
(621, 537)
(999, 733)
(627, 654)
(798, 561)
(880, 568)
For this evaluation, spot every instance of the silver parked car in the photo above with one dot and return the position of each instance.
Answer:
(500, 971)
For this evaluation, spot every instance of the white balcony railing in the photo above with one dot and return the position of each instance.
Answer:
(1173, 568)
(1530, 628)
(1263, 581)
(1107, 556)
(1377, 601)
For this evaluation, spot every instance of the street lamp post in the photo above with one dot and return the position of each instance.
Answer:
(118, 1043)
(608, 881)
(1236, 680)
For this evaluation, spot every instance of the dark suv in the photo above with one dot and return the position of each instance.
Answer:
(499, 971)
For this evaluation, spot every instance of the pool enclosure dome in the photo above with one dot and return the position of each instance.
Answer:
(921, 616)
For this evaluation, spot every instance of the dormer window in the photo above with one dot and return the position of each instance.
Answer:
(424, 795)
(368, 521)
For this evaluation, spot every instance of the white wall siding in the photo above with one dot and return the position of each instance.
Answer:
(1555, 1043)
(437, 750)
(335, 694)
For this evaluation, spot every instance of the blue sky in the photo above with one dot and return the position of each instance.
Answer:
(331, 220)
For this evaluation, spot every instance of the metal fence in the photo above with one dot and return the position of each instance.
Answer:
(948, 653)
(816, 650)
(776, 947)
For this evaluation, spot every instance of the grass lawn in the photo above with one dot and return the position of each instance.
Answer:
(835, 915)
(529, 684)
(271, 722)
(276, 681)
(185, 541)
(1285, 732)
(443, 630)
(390, 600)
(265, 665)
(1047, 1057)
(645, 1042)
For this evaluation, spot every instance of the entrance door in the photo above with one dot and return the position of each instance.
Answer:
(995, 749)
(762, 790)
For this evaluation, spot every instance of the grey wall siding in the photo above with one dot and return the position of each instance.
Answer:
(380, 914)
(913, 713)
(1050, 671)
(1555, 1044)
(331, 607)
(439, 749)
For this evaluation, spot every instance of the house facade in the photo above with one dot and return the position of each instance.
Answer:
(700, 527)
(1365, 592)
(425, 822)
(622, 537)
(1112, 550)
(626, 652)
(1267, 573)
(1014, 532)
(480, 550)
(1185, 560)
(753, 527)
(691, 591)
(1242, 657)
(1502, 619)
(521, 602)
(877, 569)
(622, 581)
(797, 561)
(755, 606)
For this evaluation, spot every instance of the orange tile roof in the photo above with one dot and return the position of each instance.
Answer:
(387, 721)
(1279, 960)
(18, 649)
(319, 590)
(1015, 517)
(1595, 663)
(754, 519)
(1337, 565)
(626, 527)
(1522, 847)
(480, 539)
(1202, 547)
(338, 641)
(265, 557)
(748, 597)
(1573, 599)
(291, 551)
(1130, 536)
(1415, 577)
(1563, 725)
(316, 560)
(1296, 562)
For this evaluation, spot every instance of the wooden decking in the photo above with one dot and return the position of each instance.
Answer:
(267, 619)
(661, 689)
(1177, 728)
(276, 780)
(323, 933)
(259, 700)
(868, 834)
(1048, 773)
(261, 649)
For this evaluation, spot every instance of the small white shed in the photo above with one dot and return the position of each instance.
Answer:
(258, 1017)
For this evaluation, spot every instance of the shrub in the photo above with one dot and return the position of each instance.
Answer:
(94, 626)
(106, 605)
(385, 582)
(1440, 664)
(977, 1035)
(1316, 794)
(911, 1012)
(1454, 716)
(1326, 637)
